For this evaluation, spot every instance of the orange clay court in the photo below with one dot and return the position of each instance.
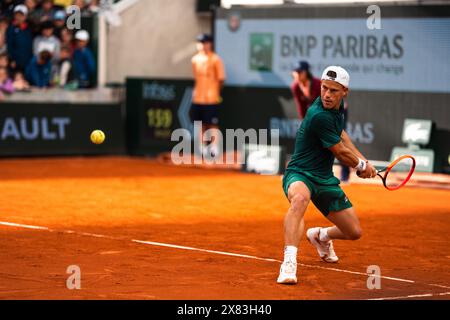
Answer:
(140, 229)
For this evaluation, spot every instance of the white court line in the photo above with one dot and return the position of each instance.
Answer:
(18, 225)
(167, 245)
(439, 285)
(414, 296)
(264, 259)
(359, 273)
(203, 250)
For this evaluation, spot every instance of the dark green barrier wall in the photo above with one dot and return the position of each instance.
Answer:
(156, 107)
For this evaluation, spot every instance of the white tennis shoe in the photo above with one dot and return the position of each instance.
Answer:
(288, 273)
(324, 248)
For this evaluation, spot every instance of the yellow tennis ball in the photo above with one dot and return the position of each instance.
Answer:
(97, 136)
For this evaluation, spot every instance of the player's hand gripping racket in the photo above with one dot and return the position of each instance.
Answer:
(398, 172)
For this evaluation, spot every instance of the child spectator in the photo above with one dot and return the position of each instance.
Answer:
(20, 84)
(83, 60)
(19, 39)
(67, 40)
(6, 83)
(38, 72)
(48, 40)
(63, 69)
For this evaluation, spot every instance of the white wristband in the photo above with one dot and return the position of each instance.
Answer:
(361, 166)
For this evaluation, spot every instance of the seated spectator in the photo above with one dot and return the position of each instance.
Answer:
(6, 83)
(59, 22)
(38, 72)
(67, 40)
(83, 60)
(20, 84)
(4, 23)
(64, 75)
(19, 39)
(46, 11)
(33, 19)
(4, 62)
(31, 5)
(48, 40)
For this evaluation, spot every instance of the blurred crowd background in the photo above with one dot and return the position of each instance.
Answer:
(38, 49)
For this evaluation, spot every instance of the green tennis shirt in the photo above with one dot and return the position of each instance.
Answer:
(320, 129)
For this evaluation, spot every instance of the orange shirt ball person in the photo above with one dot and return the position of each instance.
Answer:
(209, 76)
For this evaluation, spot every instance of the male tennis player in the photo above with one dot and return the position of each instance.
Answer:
(309, 176)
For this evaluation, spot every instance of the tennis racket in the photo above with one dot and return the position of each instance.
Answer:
(398, 172)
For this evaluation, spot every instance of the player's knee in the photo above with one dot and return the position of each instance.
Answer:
(354, 234)
(299, 203)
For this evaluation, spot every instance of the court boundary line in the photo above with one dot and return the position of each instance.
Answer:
(412, 296)
(174, 246)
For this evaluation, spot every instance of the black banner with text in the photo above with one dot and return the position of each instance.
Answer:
(59, 129)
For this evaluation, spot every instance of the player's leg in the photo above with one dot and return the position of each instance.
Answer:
(299, 196)
(337, 208)
(346, 226)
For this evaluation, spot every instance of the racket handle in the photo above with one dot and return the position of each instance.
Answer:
(359, 172)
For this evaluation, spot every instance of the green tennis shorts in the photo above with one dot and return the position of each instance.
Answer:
(326, 198)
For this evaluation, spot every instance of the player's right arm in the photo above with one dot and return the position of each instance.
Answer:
(347, 157)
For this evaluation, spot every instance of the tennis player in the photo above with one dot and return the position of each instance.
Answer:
(309, 176)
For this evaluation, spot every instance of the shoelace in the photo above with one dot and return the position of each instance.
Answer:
(331, 249)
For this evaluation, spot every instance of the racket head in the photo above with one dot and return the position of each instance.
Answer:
(398, 172)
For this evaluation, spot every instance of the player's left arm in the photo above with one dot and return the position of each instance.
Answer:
(345, 138)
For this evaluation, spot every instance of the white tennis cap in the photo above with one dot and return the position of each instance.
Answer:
(82, 35)
(21, 8)
(337, 74)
